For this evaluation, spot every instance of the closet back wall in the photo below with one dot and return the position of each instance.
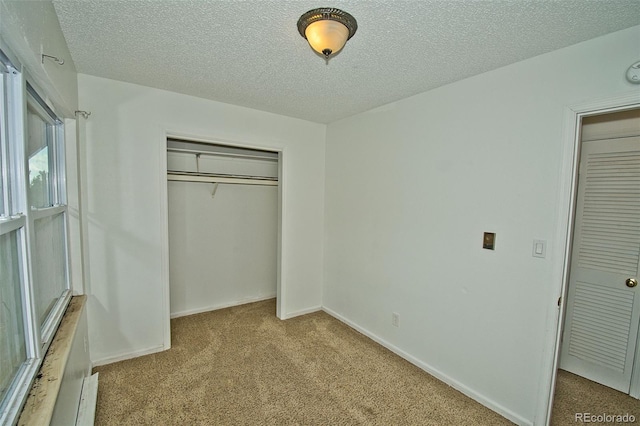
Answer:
(222, 239)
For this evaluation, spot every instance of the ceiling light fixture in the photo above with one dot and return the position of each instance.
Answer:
(327, 29)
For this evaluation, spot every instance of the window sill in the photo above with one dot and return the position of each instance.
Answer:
(40, 404)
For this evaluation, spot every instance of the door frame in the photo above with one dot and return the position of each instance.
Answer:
(163, 135)
(572, 125)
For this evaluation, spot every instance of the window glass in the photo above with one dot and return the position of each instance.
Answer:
(49, 266)
(40, 139)
(12, 336)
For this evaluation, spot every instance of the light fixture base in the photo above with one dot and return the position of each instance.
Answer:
(349, 23)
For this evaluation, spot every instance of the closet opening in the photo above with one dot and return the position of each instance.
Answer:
(223, 225)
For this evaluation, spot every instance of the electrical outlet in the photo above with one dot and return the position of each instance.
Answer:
(395, 319)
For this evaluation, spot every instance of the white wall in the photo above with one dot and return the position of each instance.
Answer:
(412, 186)
(222, 248)
(128, 313)
(31, 28)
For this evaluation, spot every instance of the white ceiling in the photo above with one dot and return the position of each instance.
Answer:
(249, 53)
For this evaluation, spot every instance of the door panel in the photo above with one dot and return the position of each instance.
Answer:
(603, 314)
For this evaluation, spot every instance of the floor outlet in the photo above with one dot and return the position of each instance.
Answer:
(395, 319)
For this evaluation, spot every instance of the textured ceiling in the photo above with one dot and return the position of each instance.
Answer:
(249, 52)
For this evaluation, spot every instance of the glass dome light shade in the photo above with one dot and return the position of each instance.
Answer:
(327, 37)
(327, 29)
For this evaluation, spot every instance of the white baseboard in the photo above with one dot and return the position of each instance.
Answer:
(221, 306)
(129, 355)
(302, 312)
(510, 415)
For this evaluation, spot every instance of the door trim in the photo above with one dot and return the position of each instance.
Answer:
(572, 124)
(283, 173)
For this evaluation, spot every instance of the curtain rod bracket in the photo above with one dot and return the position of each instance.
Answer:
(84, 114)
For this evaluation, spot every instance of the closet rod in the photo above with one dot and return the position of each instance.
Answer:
(221, 179)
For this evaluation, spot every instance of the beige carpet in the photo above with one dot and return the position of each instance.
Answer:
(575, 394)
(243, 366)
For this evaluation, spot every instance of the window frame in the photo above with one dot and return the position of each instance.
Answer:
(4, 149)
(58, 206)
(16, 89)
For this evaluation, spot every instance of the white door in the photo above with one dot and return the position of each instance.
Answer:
(603, 306)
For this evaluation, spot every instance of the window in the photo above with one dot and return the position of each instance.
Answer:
(49, 272)
(34, 284)
(13, 351)
(47, 210)
(39, 139)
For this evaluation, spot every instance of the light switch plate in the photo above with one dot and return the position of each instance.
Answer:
(539, 248)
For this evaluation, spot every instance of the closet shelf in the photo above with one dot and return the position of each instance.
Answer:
(179, 176)
(223, 154)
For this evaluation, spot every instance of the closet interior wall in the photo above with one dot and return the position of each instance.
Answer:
(223, 217)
